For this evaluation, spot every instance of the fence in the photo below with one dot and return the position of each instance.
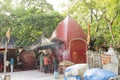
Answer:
(109, 62)
(94, 60)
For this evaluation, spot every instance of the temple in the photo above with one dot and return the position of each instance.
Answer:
(74, 40)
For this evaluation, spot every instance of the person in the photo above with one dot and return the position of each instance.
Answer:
(41, 61)
(1, 65)
(12, 64)
(46, 63)
(50, 67)
(110, 50)
(55, 63)
(74, 55)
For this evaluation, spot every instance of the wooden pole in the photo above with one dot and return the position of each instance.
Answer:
(5, 53)
(88, 36)
(5, 56)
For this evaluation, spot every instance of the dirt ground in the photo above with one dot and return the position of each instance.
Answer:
(31, 75)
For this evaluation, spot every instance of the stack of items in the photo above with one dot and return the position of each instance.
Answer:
(75, 72)
(106, 59)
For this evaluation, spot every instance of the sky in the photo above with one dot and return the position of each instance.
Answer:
(56, 4)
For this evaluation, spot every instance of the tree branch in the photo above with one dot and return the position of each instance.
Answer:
(110, 23)
(114, 17)
(106, 18)
(95, 14)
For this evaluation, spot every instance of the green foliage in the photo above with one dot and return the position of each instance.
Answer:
(28, 24)
(102, 15)
(31, 18)
(100, 41)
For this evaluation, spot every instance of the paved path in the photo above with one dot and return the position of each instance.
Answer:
(31, 75)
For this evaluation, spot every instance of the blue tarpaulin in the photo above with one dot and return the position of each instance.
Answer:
(75, 77)
(98, 74)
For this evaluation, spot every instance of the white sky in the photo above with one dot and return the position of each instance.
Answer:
(56, 4)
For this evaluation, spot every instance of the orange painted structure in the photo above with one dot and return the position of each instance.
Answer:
(74, 39)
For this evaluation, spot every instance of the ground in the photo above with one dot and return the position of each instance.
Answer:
(31, 75)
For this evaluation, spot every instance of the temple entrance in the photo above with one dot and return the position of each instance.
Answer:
(78, 49)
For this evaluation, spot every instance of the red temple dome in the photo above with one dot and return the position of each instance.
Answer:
(74, 38)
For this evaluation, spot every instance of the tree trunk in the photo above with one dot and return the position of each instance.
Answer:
(111, 32)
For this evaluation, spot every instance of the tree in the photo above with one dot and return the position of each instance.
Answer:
(28, 22)
(40, 4)
(103, 16)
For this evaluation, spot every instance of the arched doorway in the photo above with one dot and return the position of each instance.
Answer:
(78, 47)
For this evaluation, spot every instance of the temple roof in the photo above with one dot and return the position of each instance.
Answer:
(69, 29)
